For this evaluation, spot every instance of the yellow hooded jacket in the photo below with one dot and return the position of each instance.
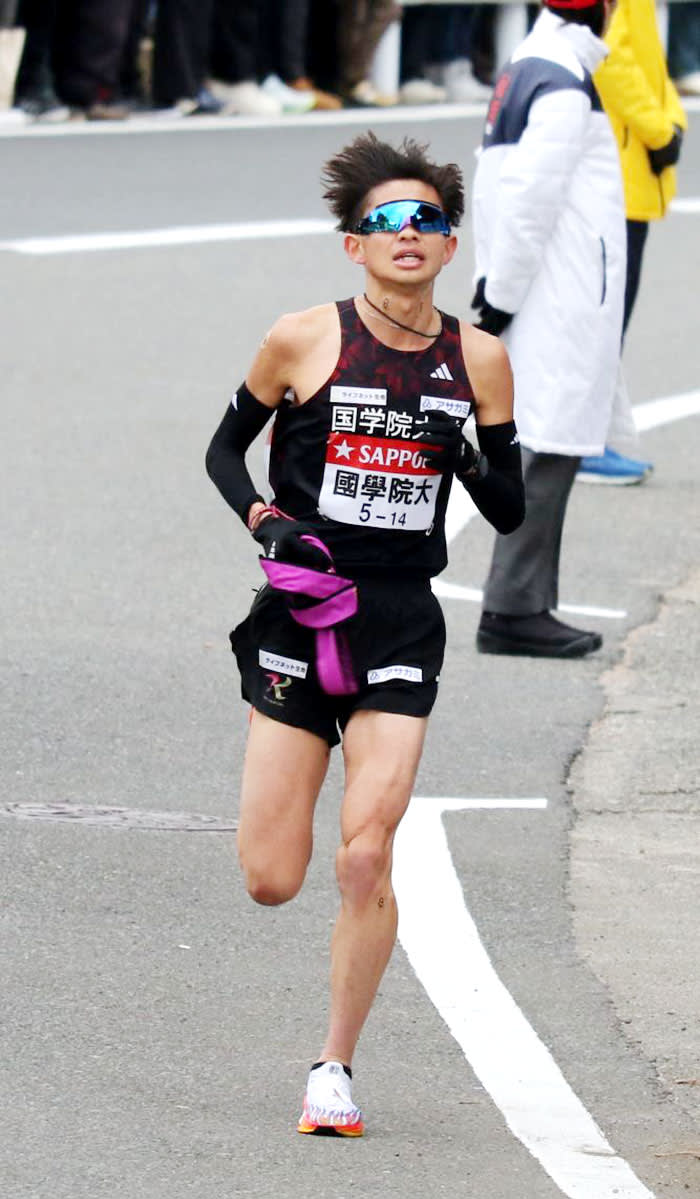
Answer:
(642, 104)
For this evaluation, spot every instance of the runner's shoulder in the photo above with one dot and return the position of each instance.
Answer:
(295, 334)
(484, 354)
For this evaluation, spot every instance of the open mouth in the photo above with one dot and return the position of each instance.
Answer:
(409, 258)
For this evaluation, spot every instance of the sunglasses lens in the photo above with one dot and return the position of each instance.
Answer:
(392, 217)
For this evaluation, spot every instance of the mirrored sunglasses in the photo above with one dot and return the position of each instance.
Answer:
(394, 216)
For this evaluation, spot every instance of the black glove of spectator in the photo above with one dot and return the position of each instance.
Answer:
(492, 320)
(281, 538)
(668, 155)
(448, 449)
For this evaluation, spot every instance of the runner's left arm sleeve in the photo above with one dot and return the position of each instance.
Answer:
(245, 417)
(495, 479)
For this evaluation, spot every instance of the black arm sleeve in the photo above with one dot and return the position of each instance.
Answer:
(225, 460)
(498, 492)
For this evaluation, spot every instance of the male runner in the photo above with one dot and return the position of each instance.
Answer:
(370, 396)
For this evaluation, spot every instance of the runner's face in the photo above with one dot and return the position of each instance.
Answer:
(407, 257)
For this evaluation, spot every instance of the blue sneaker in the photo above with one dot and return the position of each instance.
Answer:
(613, 468)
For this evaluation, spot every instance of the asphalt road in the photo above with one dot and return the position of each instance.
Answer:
(157, 1027)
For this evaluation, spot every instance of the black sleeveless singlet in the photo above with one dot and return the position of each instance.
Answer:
(348, 461)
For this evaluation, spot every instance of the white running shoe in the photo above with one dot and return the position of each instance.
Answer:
(461, 84)
(289, 98)
(328, 1105)
(244, 99)
(421, 91)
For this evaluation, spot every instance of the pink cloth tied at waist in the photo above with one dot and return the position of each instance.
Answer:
(336, 600)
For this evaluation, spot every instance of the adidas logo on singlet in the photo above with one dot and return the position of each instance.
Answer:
(442, 372)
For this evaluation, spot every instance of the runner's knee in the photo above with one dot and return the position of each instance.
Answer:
(364, 864)
(273, 885)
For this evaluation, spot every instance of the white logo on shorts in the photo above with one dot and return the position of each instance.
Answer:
(411, 674)
(284, 665)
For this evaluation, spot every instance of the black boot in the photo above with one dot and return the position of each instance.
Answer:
(540, 635)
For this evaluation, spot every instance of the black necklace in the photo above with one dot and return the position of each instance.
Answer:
(406, 328)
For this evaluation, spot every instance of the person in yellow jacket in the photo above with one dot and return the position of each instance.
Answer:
(648, 121)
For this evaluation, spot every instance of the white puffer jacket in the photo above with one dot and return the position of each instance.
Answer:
(550, 238)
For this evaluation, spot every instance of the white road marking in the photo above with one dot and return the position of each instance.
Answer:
(176, 235)
(665, 410)
(474, 595)
(461, 508)
(686, 205)
(443, 946)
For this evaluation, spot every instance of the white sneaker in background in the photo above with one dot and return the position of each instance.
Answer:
(421, 91)
(689, 85)
(244, 99)
(365, 92)
(328, 1105)
(461, 84)
(12, 116)
(289, 98)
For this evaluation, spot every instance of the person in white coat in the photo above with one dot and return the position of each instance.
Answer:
(549, 229)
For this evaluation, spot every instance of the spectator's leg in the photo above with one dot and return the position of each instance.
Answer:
(684, 40)
(92, 40)
(181, 49)
(636, 240)
(35, 76)
(132, 83)
(235, 43)
(292, 36)
(524, 574)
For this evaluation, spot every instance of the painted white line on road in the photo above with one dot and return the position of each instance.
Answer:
(461, 509)
(665, 410)
(474, 595)
(686, 205)
(445, 803)
(443, 946)
(176, 235)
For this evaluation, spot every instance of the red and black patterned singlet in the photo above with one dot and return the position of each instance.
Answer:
(348, 460)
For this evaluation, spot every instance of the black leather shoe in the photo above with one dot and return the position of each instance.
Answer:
(538, 636)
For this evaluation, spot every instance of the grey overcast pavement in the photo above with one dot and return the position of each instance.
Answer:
(157, 1027)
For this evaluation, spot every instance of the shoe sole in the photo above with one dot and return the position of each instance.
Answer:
(331, 1130)
(491, 643)
(612, 481)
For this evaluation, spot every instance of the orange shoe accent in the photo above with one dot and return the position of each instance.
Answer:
(338, 1130)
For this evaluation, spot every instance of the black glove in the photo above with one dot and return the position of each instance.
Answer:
(668, 155)
(492, 320)
(281, 538)
(448, 449)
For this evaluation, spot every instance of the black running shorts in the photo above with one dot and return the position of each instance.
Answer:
(396, 640)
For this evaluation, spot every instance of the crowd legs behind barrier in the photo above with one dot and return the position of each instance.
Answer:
(111, 59)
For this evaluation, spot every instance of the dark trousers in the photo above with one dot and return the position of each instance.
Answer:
(180, 49)
(286, 35)
(35, 74)
(636, 240)
(236, 46)
(524, 574)
(90, 39)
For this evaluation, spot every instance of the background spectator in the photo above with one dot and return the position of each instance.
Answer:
(237, 61)
(648, 122)
(90, 36)
(35, 92)
(684, 46)
(548, 209)
(181, 57)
